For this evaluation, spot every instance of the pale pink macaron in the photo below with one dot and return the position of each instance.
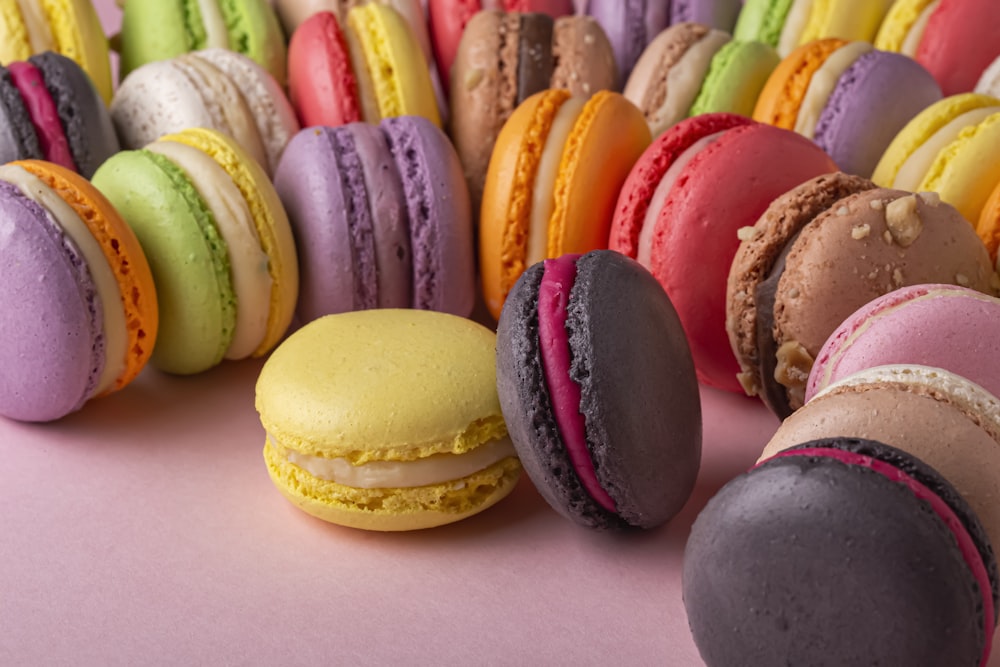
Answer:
(946, 326)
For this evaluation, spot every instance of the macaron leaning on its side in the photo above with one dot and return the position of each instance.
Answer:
(681, 209)
(218, 242)
(50, 110)
(381, 218)
(630, 26)
(552, 183)
(215, 88)
(788, 24)
(611, 438)
(80, 301)
(164, 29)
(69, 27)
(840, 551)
(821, 251)
(323, 397)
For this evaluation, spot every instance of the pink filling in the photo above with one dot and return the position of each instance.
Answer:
(43, 112)
(965, 544)
(564, 393)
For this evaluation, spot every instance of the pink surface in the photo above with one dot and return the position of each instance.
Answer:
(144, 530)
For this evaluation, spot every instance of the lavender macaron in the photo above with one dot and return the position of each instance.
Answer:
(381, 218)
(630, 25)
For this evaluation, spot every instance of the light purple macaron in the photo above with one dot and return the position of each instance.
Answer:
(944, 326)
(381, 218)
(719, 14)
(630, 25)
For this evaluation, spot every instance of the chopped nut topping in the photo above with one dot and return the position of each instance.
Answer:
(746, 381)
(588, 38)
(961, 279)
(473, 78)
(897, 278)
(859, 232)
(929, 198)
(887, 237)
(903, 221)
(794, 364)
(876, 204)
(842, 210)
(793, 293)
(747, 233)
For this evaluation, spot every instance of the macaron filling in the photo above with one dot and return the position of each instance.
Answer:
(44, 114)
(919, 162)
(967, 546)
(822, 84)
(36, 25)
(564, 393)
(213, 24)
(911, 43)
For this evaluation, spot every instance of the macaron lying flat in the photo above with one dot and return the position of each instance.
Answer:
(323, 397)
(681, 208)
(611, 438)
(948, 148)
(69, 27)
(164, 29)
(506, 57)
(840, 551)
(850, 99)
(50, 110)
(945, 326)
(381, 218)
(946, 420)
(218, 242)
(953, 39)
(821, 251)
(552, 183)
(89, 327)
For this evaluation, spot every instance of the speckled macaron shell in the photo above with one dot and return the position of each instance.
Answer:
(816, 558)
(645, 459)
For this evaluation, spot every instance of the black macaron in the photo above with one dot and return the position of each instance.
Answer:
(840, 552)
(635, 391)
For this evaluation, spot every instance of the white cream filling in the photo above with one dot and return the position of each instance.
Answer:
(215, 25)
(247, 260)
(911, 173)
(644, 252)
(542, 201)
(435, 469)
(37, 26)
(916, 32)
(795, 25)
(684, 80)
(108, 290)
(822, 83)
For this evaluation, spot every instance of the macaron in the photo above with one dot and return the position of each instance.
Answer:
(164, 29)
(690, 69)
(448, 19)
(683, 204)
(611, 438)
(989, 223)
(840, 551)
(50, 110)
(718, 14)
(945, 326)
(989, 81)
(381, 218)
(949, 148)
(503, 59)
(77, 289)
(953, 39)
(630, 26)
(821, 251)
(787, 24)
(215, 88)
(323, 397)
(218, 243)
(69, 27)
(946, 420)
(553, 181)
(850, 99)
(368, 68)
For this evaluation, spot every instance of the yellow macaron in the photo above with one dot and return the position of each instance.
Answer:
(387, 420)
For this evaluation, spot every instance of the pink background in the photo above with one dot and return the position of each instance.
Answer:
(145, 530)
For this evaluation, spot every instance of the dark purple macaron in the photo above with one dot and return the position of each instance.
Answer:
(840, 552)
(598, 389)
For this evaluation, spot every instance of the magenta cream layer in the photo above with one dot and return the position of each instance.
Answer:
(965, 542)
(44, 114)
(565, 394)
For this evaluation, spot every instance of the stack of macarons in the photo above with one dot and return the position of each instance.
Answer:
(218, 243)
(215, 88)
(849, 98)
(81, 314)
(381, 218)
(69, 27)
(691, 69)
(368, 67)
(50, 110)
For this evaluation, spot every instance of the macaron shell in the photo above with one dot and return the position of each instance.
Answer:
(79, 35)
(321, 81)
(959, 43)
(738, 73)
(719, 14)
(989, 223)
(899, 22)
(17, 134)
(781, 97)
(696, 230)
(846, 19)
(14, 42)
(585, 60)
(629, 26)
(762, 21)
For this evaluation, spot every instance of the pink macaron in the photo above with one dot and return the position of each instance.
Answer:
(945, 326)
